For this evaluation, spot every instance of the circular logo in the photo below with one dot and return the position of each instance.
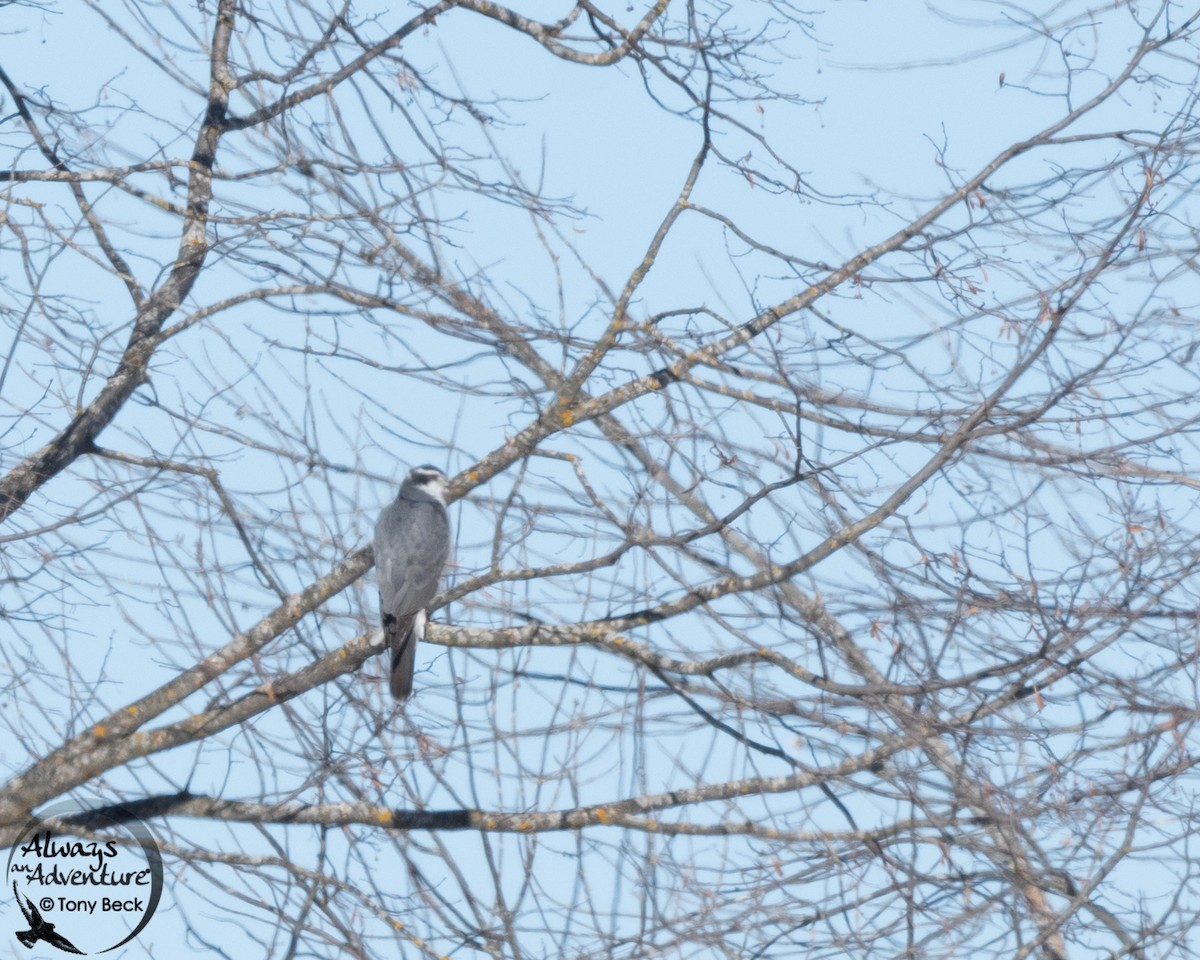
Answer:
(84, 895)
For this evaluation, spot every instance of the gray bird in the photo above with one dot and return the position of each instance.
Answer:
(412, 542)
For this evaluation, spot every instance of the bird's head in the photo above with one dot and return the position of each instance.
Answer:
(427, 479)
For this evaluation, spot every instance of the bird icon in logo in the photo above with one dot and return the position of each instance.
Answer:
(40, 929)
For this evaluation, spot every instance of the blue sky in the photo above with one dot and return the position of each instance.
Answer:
(897, 103)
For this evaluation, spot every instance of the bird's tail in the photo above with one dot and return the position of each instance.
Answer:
(402, 634)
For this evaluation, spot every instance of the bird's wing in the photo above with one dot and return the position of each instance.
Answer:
(21, 901)
(58, 940)
(412, 541)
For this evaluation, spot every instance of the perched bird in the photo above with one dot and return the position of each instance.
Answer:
(39, 928)
(412, 542)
